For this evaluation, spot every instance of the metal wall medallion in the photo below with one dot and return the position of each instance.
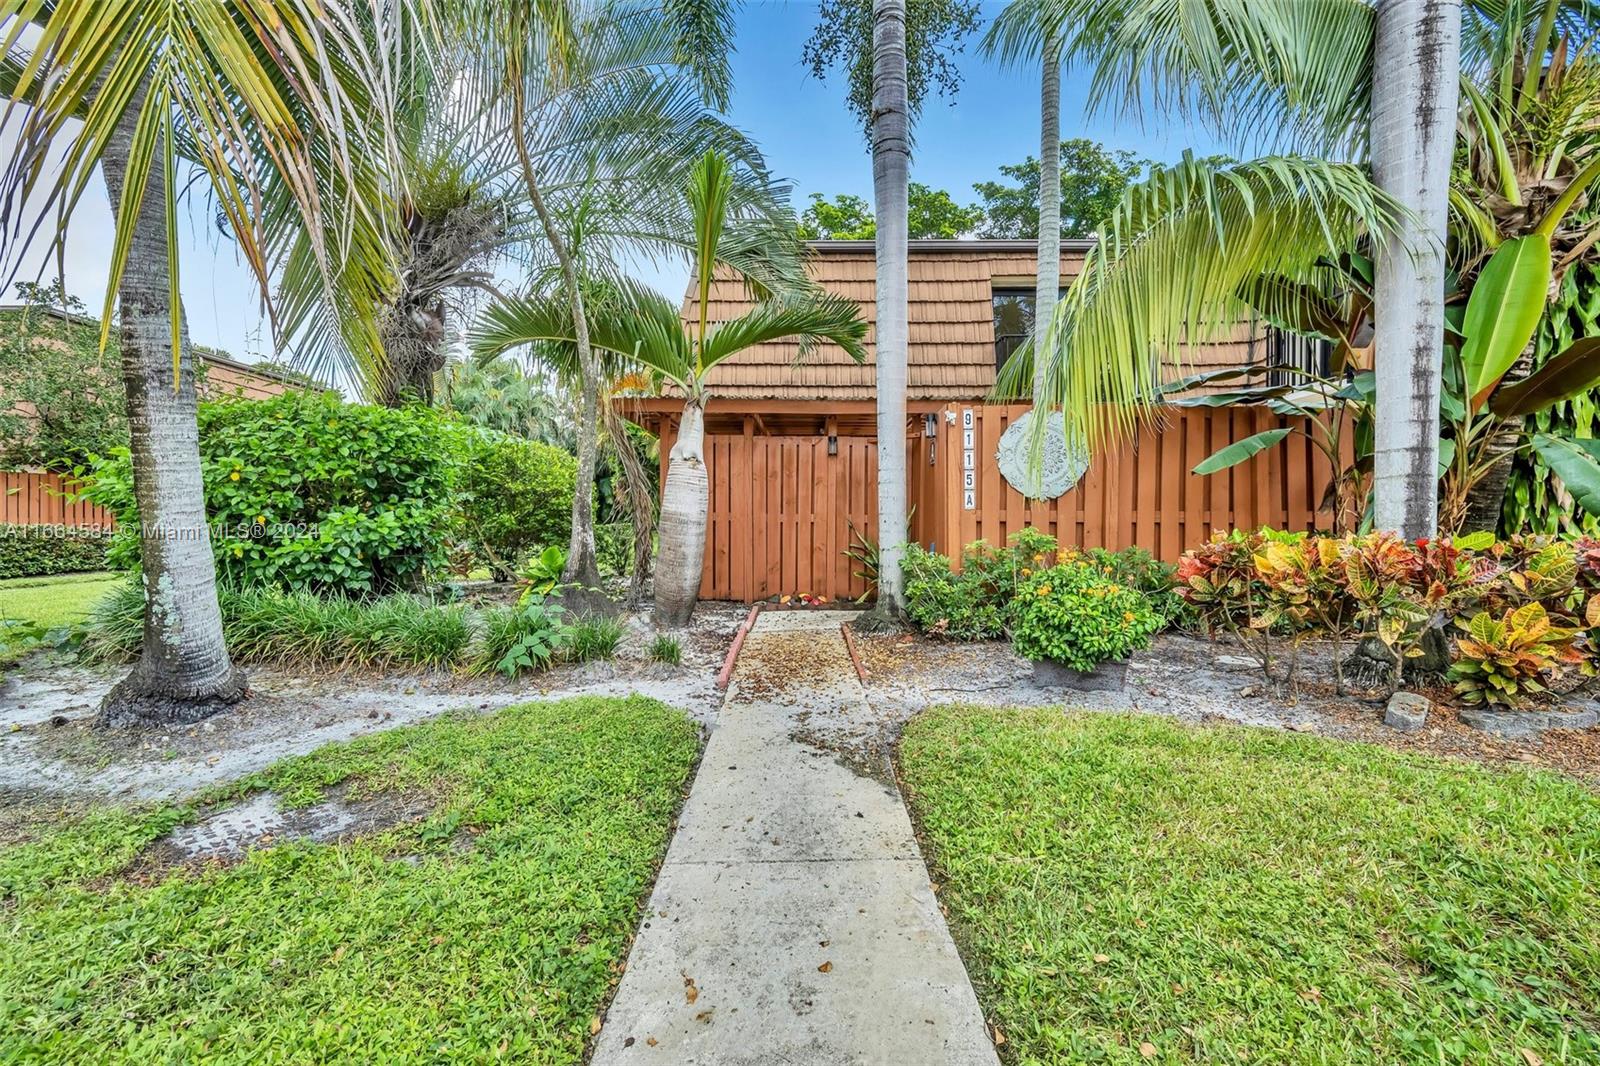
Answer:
(1061, 468)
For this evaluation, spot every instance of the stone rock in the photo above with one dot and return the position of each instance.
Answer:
(1407, 712)
(1529, 723)
(1236, 662)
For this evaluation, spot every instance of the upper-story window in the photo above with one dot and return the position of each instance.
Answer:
(1013, 322)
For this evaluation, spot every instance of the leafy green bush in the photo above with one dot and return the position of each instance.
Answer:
(525, 637)
(304, 491)
(516, 495)
(593, 639)
(1073, 614)
(1504, 660)
(666, 649)
(974, 604)
(39, 551)
(302, 629)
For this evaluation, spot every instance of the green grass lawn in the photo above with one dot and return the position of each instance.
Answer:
(497, 938)
(55, 601)
(1232, 895)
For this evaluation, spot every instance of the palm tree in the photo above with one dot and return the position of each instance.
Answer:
(276, 103)
(522, 53)
(1302, 72)
(891, 157)
(647, 329)
(1417, 51)
(1021, 32)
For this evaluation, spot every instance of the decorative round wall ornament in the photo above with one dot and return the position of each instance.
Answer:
(1060, 469)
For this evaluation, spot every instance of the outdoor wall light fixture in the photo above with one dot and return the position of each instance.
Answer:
(930, 425)
(833, 444)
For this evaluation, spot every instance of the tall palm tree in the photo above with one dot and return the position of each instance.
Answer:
(277, 102)
(520, 51)
(891, 158)
(1417, 52)
(647, 329)
(1023, 32)
(1301, 72)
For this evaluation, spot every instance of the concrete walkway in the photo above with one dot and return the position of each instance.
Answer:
(793, 921)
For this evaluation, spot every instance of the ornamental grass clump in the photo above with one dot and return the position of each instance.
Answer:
(1075, 615)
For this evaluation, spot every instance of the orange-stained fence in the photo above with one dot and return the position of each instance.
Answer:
(42, 499)
(782, 507)
(1142, 492)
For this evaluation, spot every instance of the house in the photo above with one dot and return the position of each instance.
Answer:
(792, 453)
(36, 497)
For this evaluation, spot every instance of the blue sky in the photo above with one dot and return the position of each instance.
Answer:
(808, 134)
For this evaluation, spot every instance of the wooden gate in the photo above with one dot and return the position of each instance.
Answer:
(781, 514)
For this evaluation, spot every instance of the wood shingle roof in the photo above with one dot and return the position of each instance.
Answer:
(951, 350)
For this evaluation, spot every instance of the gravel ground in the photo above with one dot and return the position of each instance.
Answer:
(49, 754)
(1196, 681)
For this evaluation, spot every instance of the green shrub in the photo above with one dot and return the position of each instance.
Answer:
(39, 551)
(943, 603)
(516, 495)
(974, 604)
(301, 629)
(593, 639)
(1138, 569)
(666, 649)
(1073, 614)
(525, 637)
(304, 491)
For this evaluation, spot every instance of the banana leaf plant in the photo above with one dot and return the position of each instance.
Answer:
(1484, 404)
(1326, 409)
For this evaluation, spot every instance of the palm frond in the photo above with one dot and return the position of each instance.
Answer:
(630, 325)
(1273, 72)
(1171, 264)
(814, 320)
(282, 103)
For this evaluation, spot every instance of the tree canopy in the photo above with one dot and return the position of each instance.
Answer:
(936, 31)
(1093, 179)
(933, 213)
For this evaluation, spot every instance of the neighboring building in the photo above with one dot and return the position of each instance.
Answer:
(31, 496)
(221, 376)
(792, 452)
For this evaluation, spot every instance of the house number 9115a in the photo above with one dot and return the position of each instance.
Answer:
(969, 460)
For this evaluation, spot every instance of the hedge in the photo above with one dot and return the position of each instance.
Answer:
(304, 491)
(40, 551)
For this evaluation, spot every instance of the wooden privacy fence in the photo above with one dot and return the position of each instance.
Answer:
(41, 499)
(782, 507)
(781, 514)
(1139, 493)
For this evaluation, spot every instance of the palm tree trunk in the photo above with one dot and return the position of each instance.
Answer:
(1414, 96)
(184, 673)
(1048, 283)
(891, 154)
(638, 497)
(582, 568)
(684, 503)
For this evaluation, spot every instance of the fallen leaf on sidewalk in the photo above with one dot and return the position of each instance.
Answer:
(826, 967)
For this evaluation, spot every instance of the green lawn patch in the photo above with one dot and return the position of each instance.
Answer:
(1237, 895)
(55, 601)
(489, 928)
